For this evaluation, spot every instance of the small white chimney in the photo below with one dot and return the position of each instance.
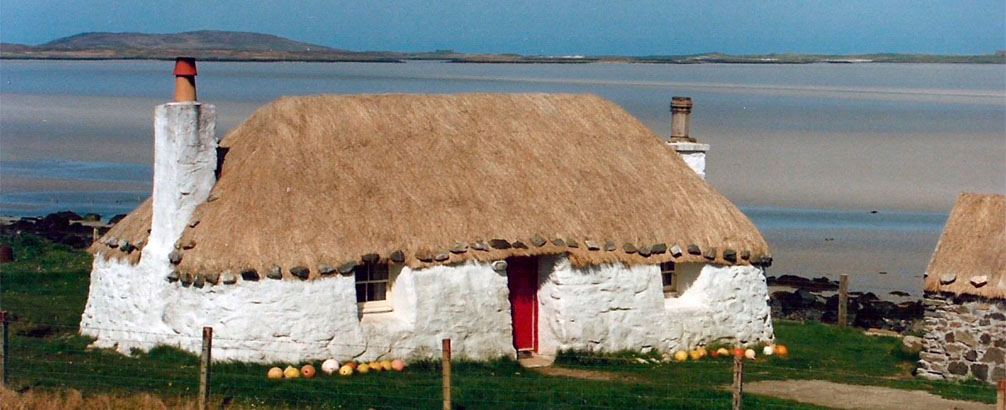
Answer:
(690, 150)
(185, 161)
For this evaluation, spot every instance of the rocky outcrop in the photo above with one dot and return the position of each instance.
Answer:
(799, 282)
(965, 338)
(866, 310)
(67, 228)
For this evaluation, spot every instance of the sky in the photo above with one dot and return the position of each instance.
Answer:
(538, 27)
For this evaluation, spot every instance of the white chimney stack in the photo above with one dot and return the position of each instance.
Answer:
(185, 161)
(690, 150)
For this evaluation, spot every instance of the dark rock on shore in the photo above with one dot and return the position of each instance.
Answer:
(865, 310)
(821, 283)
(64, 215)
(61, 227)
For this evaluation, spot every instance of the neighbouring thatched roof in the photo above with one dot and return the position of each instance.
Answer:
(970, 257)
(333, 180)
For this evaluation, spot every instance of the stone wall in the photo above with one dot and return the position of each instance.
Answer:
(133, 307)
(965, 338)
(603, 308)
(468, 303)
(617, 307)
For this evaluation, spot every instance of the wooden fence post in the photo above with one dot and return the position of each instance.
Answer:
(1001, 395)
(843, 301)
(4, 350)
(204, 369)
(738, 386)
(447, 373)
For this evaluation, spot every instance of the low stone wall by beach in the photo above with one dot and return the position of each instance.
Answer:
(965, 338)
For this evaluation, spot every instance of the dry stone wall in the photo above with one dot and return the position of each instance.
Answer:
(965, 338)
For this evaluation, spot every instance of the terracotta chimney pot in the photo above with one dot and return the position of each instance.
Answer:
(185, 79)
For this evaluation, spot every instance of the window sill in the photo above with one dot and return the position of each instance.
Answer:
(684, 305)
(365, 309)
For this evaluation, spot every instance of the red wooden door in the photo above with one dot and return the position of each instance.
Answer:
(522, 279)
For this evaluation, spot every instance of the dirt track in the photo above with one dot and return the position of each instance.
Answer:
(845, 396)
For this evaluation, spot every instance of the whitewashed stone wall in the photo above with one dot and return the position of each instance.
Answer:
(965, 338)
(614, 307)
(468, 303)
(605, 308)
(289, 321)
(134, 307)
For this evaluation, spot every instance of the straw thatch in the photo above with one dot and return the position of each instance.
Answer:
(970, 257)
(133, 229)
(326, 180)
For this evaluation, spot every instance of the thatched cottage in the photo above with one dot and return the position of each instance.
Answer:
(376, 225)
(965, 296)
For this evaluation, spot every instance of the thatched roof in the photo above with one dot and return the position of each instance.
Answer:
(332, 180)
(131, 232)
(970, 257)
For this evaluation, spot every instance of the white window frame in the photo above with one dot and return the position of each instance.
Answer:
(670, 290)
(376, 306)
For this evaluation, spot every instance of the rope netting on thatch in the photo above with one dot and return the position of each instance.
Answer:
(324, 182)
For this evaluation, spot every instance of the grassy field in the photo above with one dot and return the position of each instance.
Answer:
(46, 288)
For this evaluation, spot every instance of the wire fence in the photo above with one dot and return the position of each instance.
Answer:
(64, 360)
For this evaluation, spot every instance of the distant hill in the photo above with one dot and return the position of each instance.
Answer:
(211, 45)
(14, 47)
(206, 45)
(191, 40)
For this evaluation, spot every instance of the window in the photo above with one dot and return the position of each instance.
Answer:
(669, 279)
(372, 282)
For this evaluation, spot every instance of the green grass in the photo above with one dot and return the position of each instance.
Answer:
(817, 352)
(825, 352)
(47, 287)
